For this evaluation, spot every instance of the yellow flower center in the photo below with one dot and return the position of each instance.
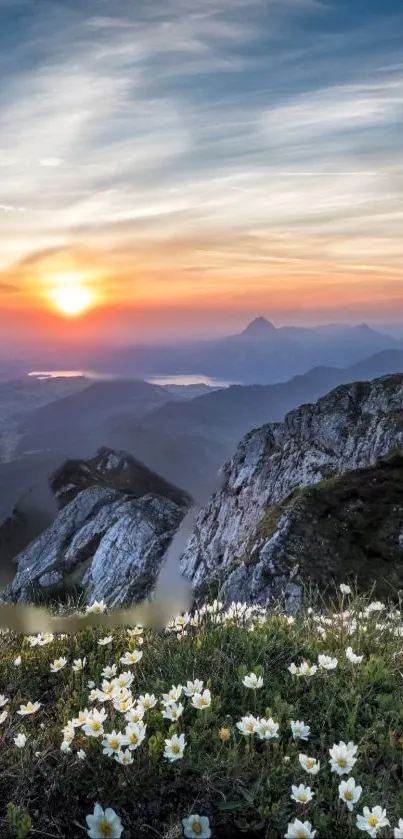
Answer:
(250, 726)
(301, 834)
(341, 761)
(373, 821)
(95, 725)
(348, 795)
(197, 828)
(310, 763)
(134, 739)
(105, 828)
(114, 743)
(175, 748)
(302, 797)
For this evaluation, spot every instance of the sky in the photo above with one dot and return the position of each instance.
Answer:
(187, 166)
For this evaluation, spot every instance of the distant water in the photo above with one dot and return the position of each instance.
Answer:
(188, 380)
(66, 374)
(155, 380)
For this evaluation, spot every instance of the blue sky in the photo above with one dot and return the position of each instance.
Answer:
(225, 155)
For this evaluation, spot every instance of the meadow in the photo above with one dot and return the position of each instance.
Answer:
(236, 722)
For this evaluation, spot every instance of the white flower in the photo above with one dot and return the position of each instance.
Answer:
(252, 681)
(306, 669)
(136, 713)
(65, 746)
(81, 754)
(349, 793)
(148, 701)
(355, 659)
(201, 700)
(135, 733)
(173, 696)
(398, 831)
(137, 630)
(123, 680)
(104, 641)
(375, 606)
(174, 747)
(196, 827)
(372, 820)
(46, 638)
(344, 589)
(79, 664)
(96, 608)
(90, 684)
(248, 725)
(173, 711)
(94, 725)
(267, 729)
(3, 716)
(327, 663)
(69, 731)
(109, 671)
(20, 740)
(107, 692)
(124, 702)
(299, 830)
(302, 794)
(113, 742)
(193, 687)
(342, 757)
(58, 664)
(124, 757)
(310, 764)
(131, 657)
(104, 823)
(29, 708)
(300, 731)
(3, 700)
(17, 661)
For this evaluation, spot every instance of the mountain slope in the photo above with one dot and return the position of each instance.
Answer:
(110, 537)
(228, 414)
(350, 428)
(95, 403)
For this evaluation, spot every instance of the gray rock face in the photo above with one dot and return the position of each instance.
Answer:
(109, 542)
(350, 428)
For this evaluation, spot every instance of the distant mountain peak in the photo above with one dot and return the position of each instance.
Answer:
(258, 328)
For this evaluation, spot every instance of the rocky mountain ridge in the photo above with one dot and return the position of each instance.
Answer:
(351, 428)
(109, 538)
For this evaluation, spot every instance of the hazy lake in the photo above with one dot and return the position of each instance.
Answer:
(155, 380)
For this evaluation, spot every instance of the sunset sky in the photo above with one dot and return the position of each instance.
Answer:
(184, 166)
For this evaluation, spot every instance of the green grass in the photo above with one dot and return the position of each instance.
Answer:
(242, 784)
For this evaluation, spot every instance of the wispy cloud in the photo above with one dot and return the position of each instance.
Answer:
(230, 127)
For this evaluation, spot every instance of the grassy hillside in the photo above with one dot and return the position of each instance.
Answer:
(241, 782)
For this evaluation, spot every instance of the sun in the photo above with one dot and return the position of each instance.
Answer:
(70, 295)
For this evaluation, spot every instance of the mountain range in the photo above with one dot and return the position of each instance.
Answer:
(261, 353)
(186, 441)
(310, 501)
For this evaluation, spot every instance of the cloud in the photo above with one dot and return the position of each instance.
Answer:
(258, 145)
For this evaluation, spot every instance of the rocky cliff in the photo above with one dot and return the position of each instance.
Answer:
(260, 534)
(109, 538)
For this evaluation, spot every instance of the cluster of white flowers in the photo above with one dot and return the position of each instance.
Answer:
(114, 695)
(102, 823)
